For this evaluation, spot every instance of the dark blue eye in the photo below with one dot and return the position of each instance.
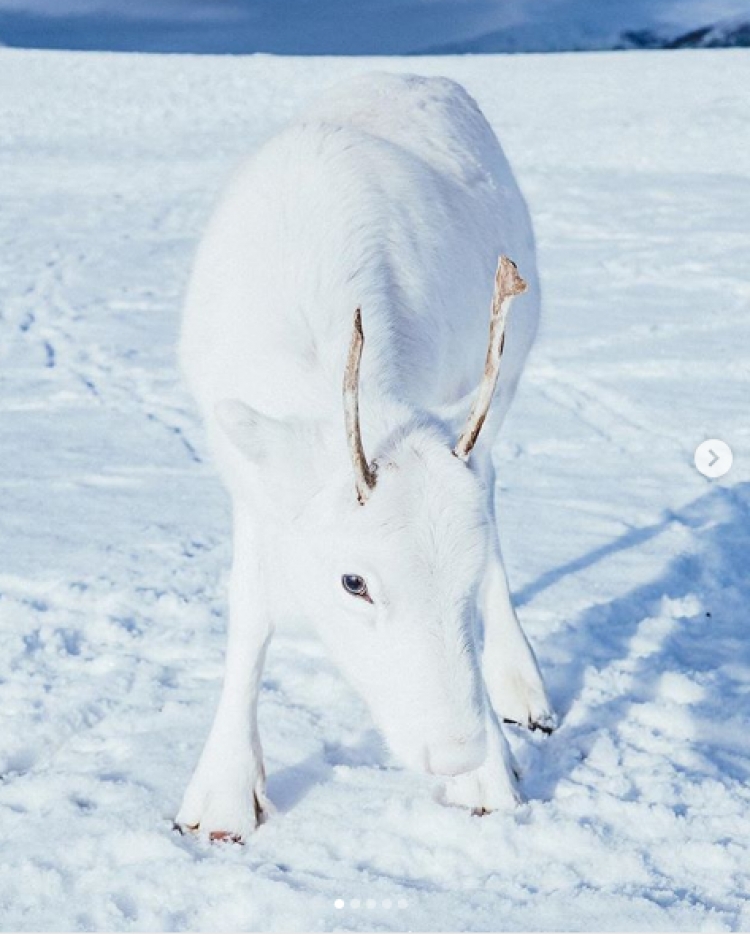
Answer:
(356, 586)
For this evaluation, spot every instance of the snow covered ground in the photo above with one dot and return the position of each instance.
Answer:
(629, 568)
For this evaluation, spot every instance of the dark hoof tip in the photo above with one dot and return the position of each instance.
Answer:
(225, 836)
(546, 728)
(536, 726)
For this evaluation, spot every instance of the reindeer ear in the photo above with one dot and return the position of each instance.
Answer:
(256, 436)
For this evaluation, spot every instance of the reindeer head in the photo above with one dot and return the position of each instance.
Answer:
(390, 566)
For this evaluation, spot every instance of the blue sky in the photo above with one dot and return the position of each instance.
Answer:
(348, 27)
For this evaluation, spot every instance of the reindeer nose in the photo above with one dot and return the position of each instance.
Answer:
(456, 756)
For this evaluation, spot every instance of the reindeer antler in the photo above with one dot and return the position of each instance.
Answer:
(364, 475)
(508, 283)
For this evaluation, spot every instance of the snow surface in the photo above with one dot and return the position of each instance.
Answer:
(629, 568)
(370, 27)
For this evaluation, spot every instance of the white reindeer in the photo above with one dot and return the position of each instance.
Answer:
(392, 195)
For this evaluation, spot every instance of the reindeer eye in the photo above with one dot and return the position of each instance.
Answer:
(356, 586)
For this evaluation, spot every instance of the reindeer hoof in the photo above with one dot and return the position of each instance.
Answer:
(543, 723)
(224, 806)
(216, 836)
(546, 725)
(480, 812)
(225, 836)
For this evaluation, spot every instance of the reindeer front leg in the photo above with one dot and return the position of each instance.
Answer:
(511, 673)
(514, 691)
(226, 797)
(494, 785)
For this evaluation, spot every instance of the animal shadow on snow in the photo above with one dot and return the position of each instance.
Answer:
(289, 785)
(711, 579)
(691, 620)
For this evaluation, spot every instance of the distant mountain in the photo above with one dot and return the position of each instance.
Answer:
(541, 37)
(730, 33)
(373, 27)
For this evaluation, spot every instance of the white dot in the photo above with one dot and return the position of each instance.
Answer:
(713, 458)
(402, 903)
(387, 903)
(371, 903)
(339, 903)
(354, 903)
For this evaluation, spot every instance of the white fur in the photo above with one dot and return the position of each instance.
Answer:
(392, 194)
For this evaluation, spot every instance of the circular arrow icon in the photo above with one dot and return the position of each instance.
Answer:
(713, 458)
